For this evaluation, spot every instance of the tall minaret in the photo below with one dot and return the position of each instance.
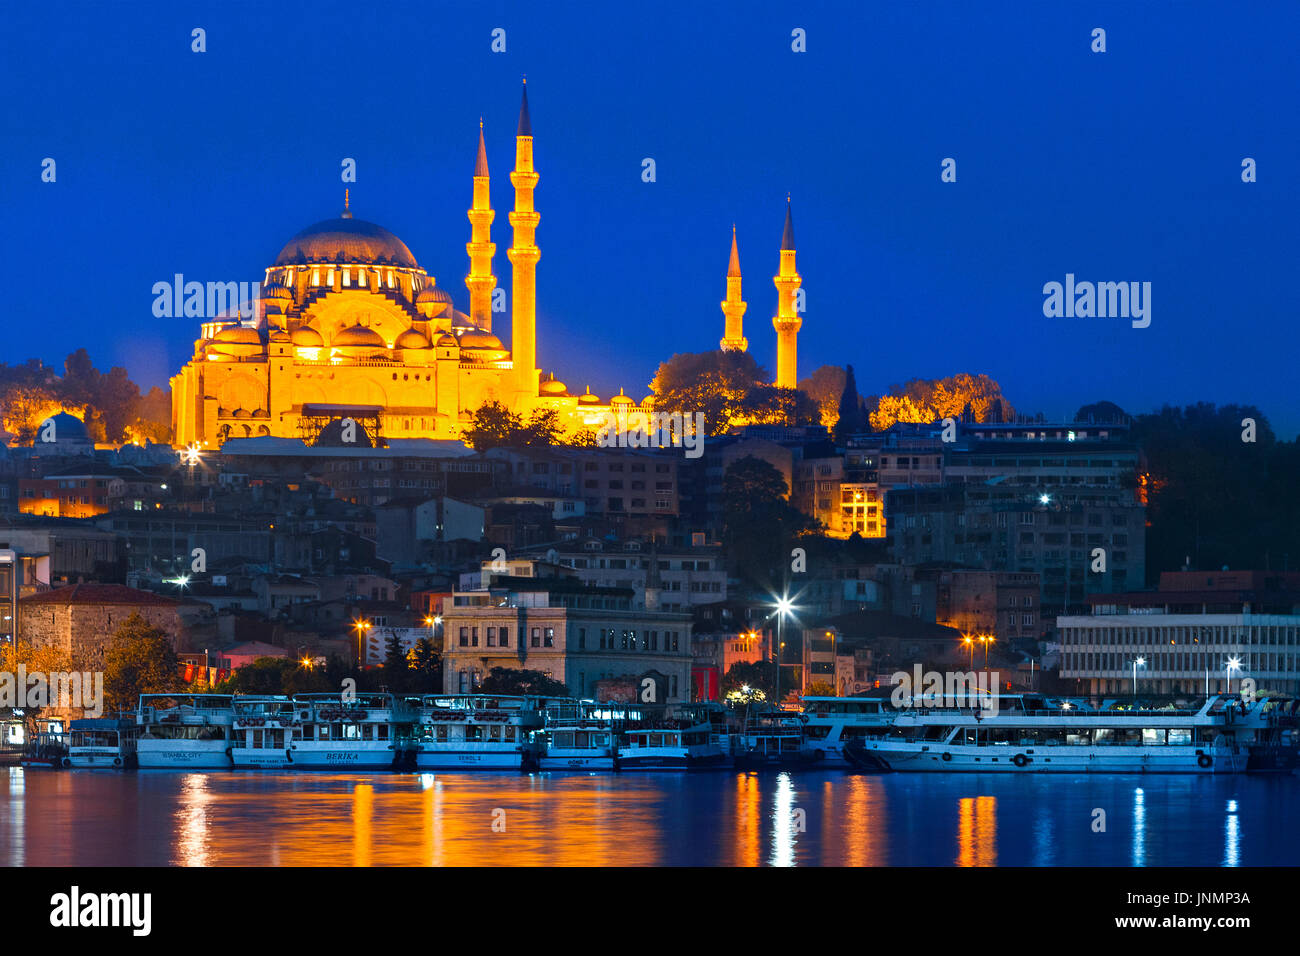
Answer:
(480, 247)
(733, 338)
(523, 255)
(787, 320)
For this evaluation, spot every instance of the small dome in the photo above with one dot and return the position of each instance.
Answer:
(588, 398)
(621, 399)
(554, 387)
(648, 401)
(479, 339)
(447, 341)
(238, 335)
(306, 337)
(359, 335)
(432, 294)
(279, 335)
(67, 427)
(412, 339)
(277, 290)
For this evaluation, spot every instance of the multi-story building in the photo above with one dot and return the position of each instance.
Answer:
(629, 482)
(841, 490)
(1001, 603)
(1065, 510)
(569, 631)
(1200, 632)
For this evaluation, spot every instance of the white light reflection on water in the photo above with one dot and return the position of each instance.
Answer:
(1139, 828)
(783, 823)
(192, 821)
(1231, 836)
(15, 808)
(1044, 842)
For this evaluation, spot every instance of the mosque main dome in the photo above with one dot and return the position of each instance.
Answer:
(346, 240)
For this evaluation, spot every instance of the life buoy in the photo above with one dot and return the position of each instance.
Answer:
(117, 761)
(1020, 760)
(1203, 760)
(67, 761)
(945, 756)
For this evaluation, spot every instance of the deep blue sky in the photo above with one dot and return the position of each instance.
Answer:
(1115, 166)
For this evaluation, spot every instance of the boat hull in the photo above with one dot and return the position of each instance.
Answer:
(104, 760)
(891, 756)
(578, 761)
(471, 760)
(245, 759)
(636, 760)
(193, 756)
(342, 758)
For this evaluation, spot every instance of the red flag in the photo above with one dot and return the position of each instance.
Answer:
(189, 673)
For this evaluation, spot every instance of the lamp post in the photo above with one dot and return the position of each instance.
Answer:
(362, 627)
(1137, 662)
(1234, 664)
(783, 607)
(970, 645)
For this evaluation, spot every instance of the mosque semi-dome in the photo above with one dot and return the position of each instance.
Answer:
(346, 240)
(412, 339)
(306, 337)
(238, 335)
(479, 339)
(432, 294)
(359, 335)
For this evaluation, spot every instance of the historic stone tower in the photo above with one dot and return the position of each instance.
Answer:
(787, 320)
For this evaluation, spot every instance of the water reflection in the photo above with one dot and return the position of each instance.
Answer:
(601, 820)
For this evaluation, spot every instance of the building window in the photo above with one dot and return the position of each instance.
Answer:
(505, 636)
(535, 638)
(464, 637)
(550, 637)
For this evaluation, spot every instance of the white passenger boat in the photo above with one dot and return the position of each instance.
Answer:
(774, 740)
(582, 735)
(359, 732)
(262, 732)
(1029, 733)
(478, 732)
(184, 731)
(833, 721)
(667, 741)
(102, 743)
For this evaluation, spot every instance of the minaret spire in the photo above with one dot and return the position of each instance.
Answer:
(787, 320)
(733, 307)
(524, 255)
(480, 247)
(347, 212)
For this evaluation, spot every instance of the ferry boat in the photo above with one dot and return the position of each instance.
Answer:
(833, 721)
(46, 750)
(1028, 733)
(363, 732)
(479, 731)
(667, 741)
(184, 731)
(262, 732)
(583, 735)
(773, 741)
(12, 735)
(102, 743)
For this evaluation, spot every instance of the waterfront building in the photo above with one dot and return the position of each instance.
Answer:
(1185, 636)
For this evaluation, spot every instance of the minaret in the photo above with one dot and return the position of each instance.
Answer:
(733, 338)
(523, 255)
(480, 247)
(787, 320)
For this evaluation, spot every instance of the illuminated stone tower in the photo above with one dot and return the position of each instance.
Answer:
(787, 320)
(523, 255)
(481, 249)
(733, 338)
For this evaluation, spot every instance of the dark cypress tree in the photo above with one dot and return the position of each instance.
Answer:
(851, 419)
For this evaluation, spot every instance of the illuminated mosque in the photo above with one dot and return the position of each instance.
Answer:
(350, 326)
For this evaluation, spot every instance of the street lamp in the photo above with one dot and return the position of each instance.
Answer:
(1137, 662)
(970, 646)
(362, 627)
(1234, 664)
(783, 607)
(986, 640)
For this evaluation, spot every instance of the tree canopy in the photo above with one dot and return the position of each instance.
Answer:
(517, 681)
(930, 400)
(139, 659)
(759, 522)
(730, 389)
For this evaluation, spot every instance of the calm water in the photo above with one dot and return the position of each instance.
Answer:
(156, 818)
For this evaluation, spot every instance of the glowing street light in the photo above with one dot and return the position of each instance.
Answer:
(1137, 662)
(1234, 664)
(783, 607)
(1044, 499)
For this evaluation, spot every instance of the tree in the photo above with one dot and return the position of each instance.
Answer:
(397, 669)
(493, 425)
(930, 400)
(33, 658)
(426, 665)
(825, 386)
(849, 418)
(139, 659)
(516, 681)
(759, 523)
(729, 389)
(760, 675)
(1101, 412)
(820, 688)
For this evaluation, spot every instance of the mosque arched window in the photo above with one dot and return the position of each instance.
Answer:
(347, 276)
(315, 277)
(390, 278)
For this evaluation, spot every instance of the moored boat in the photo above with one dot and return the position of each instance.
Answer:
(357, 732)
(834, 721)
(261, 732)
(1028, 733)
(104, 743)
(773, 741)
(184, 731)
(478, 732)
(44, 751)
(664, 740)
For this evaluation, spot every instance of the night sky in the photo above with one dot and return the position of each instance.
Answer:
(1122, 166)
